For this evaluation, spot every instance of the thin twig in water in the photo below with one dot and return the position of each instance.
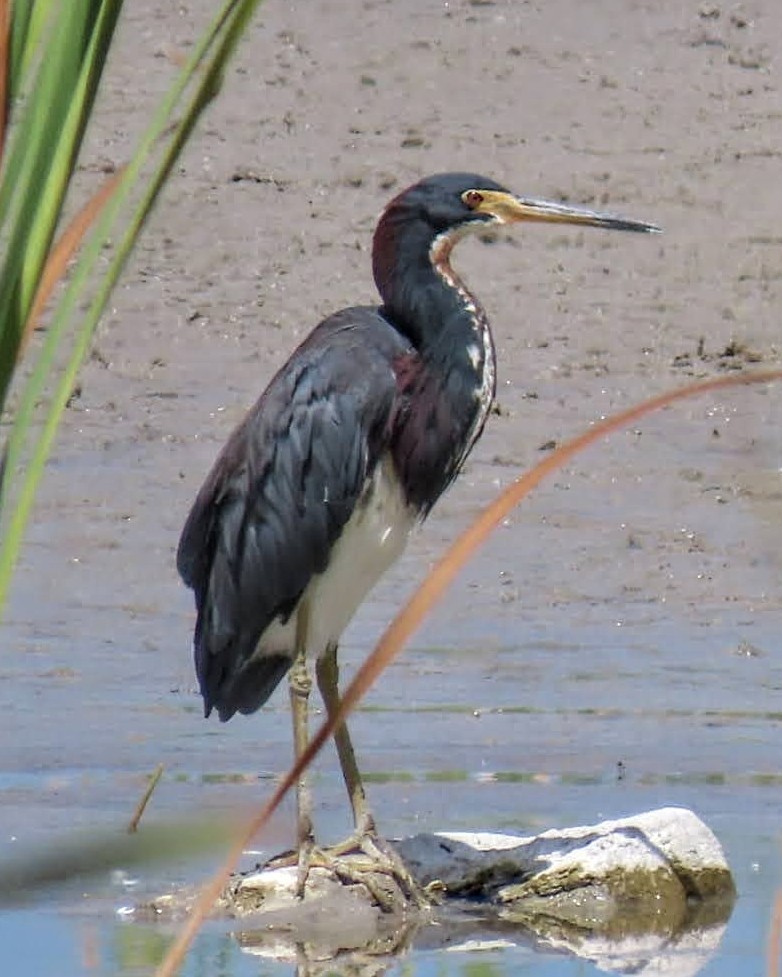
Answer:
(142, 804)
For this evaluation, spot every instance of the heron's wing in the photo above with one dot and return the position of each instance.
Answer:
(276, 501)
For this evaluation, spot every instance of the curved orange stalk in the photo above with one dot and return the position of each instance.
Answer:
(63, 251)
(411, 616)
(775, 938)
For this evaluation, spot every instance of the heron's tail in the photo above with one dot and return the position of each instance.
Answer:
(233, 675)
(249, 686)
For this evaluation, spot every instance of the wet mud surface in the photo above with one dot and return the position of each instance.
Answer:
(615, 646)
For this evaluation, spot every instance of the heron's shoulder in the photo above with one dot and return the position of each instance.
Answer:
(361, 330)
(348, 360)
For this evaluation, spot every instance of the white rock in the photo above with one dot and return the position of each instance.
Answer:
(672, 841)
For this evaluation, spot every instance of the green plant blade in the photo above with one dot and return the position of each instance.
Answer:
(203, 70)
(45, 144)
(28, 24)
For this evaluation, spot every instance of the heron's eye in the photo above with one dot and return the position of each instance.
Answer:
(473, 198)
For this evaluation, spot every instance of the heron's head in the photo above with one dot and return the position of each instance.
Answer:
(420, 226)
(455, 201)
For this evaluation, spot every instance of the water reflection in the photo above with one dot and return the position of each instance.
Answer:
(467, 946)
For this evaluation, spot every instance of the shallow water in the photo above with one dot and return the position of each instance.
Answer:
(512, 738)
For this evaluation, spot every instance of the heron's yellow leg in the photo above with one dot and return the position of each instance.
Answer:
(365, 837)
(327, 671)
(300, 685)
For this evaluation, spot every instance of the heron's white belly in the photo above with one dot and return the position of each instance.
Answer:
(373, 539)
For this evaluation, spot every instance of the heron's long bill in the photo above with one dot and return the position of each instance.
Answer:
(509, 209)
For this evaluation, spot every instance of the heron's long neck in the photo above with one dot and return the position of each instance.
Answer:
(448, 389)
(427, 301)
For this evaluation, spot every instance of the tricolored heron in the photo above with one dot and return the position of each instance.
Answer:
(351, 444)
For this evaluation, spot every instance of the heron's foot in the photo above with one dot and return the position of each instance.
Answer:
(366, 851)
(303, 859)
(363, 859)
(307, 857)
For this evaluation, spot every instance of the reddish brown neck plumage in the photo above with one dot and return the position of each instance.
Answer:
(448, 384)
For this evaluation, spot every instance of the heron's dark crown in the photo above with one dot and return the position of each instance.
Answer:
(437, 201)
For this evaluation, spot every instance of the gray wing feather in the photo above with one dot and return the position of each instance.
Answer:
(278, 498)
